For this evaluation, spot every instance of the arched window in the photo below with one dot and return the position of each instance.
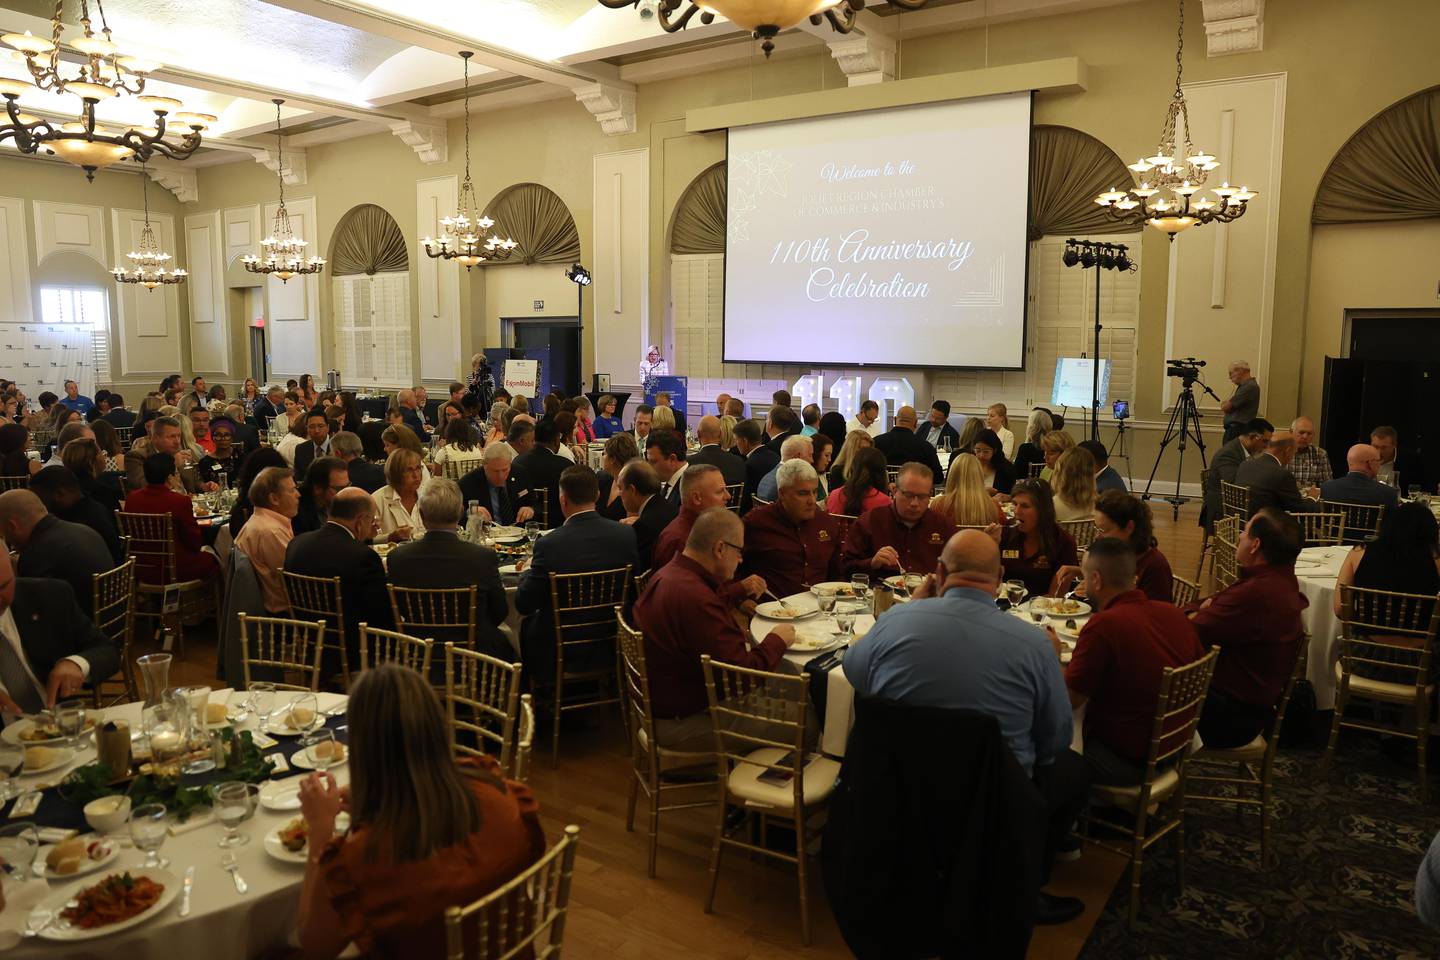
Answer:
(539, 223)
(368, 241)
(1068, 170)
(1390, 168)
(370, 264)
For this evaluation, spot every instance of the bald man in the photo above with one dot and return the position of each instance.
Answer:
(1311, 464)
(731, 467)
(902, 445)
(1360, 485)
(952, 648)
(51, 547)
(1269, 481)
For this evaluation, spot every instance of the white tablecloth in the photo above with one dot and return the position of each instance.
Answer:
(1317, 570)
(222, 924)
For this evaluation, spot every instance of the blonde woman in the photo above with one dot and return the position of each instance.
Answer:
(1029, 452)
(973, 426)
(965, 498)
(1073, 481)
(187, 438)
(997, 419)
(727, 432)
(1052, 445)
(855, 441)
(662, 419)
(398, 502)
(400, 438)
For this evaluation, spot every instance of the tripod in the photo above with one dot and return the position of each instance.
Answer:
(1118, 444)
(1184, 425)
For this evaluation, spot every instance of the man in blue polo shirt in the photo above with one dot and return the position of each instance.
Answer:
(74, 400)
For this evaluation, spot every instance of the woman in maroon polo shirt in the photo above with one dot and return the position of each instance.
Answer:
(1126, 517)
(1033, 548)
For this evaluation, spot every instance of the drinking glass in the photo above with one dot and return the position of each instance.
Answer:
(237, 706)
(70, 719)
(195, 700)
(164, 729)
(320, 748)
(532, 532)
(824, 599)
(232, 807)
(155, 671)
(147, 828)
(296, 715)
(845, 613)
(1015, 591)
(262, 701)
(19, 842)
(1413, 491)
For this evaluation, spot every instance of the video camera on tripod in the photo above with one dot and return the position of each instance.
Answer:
(1187, 369)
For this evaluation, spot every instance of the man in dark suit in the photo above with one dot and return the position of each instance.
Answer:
(347, 449)
(781, 424)
(441, 560)
(662, 399)
(494, 485)
(937, 430)
(541, 468)
(1269, 483)
(317, 442)
(326, 477)
(1252, 440)
(1357, 486)
(759, 458)
(49, 647)
(51, 547)
(902, 446)
(666, 453)
(247, 438)
(649, 512)
(270, 406)
(585, 542)
(341, 548)
(731, 467)
(59, 489)
(117, 415)
(410, 414)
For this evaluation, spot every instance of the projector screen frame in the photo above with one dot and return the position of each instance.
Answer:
(1025, 298)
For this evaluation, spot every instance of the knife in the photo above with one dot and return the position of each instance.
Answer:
(185, 892)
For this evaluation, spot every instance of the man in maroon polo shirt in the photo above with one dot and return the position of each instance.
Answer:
(1118, 660)
(684, 615)
(907, 535)
(1256, 623)
(791, 542)
(701, 487)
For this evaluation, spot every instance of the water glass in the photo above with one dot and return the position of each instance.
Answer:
(70, 719)
(824, 599)
(1015, 591)
(19, 843)
(845, 614)
(237, 706)
(262, 701)
(532, 532)
(231, 801)
(148, 827)
(319, 748)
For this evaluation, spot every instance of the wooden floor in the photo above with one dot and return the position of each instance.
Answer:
(618, 912)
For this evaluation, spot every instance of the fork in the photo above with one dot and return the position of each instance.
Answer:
(783, 605)
(232, 866)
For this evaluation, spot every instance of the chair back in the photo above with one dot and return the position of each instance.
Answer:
(320, 598)
(635, 690)
(112, 607)
(641, 580)
(1361, 521)
(282, 648)
(525, 739)
(17, 482)
(40, 439)
(1374, 628)
(150, 542)
(1297, 673)
(508, 922)
(389, 646)
(1320, 529)
(754, 709)
(541, 497)
(1223, 544)
(123, 434)
(444, 614)
(1081, 531)
(1183, 592)
(761, 501)
(1032, 472)
(482, 697)
(583, 601)
(1177, 711)
(892, 475)
(454, 468)
(842, 525)
(1234, 500)
(734, 489)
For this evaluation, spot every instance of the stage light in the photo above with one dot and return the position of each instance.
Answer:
(1123, 262)
(1071, 256)
(1088, 259)
(578, 274)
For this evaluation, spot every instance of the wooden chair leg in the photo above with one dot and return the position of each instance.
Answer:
(1180, 842)
(1266, 795)
(1137, 863)
(630, 805)
(800, 858)
(715, 846)
(1422, 742)
(1341, 696)
(654, 830)
(555, 729)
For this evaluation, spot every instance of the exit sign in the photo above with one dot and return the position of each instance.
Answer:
(539, 304)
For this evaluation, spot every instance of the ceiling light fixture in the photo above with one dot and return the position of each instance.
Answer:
(103, 74)
(1165, 198)
(284, 252)
(466, 237)
(763, 18)
(147, 265)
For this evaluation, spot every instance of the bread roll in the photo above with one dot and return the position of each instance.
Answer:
(66, 850)
(301, 717)
(215, 713)
(37, 757)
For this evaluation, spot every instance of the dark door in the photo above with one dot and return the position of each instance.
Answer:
(562, 337)
(259, 367)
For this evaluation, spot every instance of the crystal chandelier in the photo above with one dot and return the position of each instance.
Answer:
(147, 265)
(284, 253)
(763, 18)
(1166, 197)
(103, 74)
(466, 237)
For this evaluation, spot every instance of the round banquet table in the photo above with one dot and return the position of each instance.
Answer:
(1317, 569)
(222, 923)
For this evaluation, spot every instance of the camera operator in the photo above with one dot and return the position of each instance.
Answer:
(1244, 404)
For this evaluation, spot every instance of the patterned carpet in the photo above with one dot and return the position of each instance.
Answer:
(1349, 839)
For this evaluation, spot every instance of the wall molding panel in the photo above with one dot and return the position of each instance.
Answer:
(438, 285)
(16, 302)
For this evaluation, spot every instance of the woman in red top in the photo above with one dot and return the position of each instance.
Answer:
(426, 832)
(191, 563)
(868, 486)
(1126, 517)
(1034, 548)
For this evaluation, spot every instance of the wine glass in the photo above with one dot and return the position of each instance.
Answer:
(19, 842)
(262, 701)
(70, 720)
(303, 712)
(1015, 591)
(320, 748)
(532, 532)
(824, 599)
(148, 828)
(232, 807)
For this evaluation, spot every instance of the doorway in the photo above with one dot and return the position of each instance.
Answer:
(561, 335)
(259, 369)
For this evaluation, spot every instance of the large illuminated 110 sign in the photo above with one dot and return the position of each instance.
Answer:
(891, 393)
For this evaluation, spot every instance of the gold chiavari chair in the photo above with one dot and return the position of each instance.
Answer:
(525, 739)
(1081, 531)
(123, 434)
(842, 525)
(1320, 529)
(1177, 711)
(1032, 472)
(17, 482)
(112, 607)
(734, 489)
(1248, 779)
(320, 597)
(582, 605)
(281, 648)
(445, 614)
(379, 646)
(510, 921)
(641, 581)
(150, 541)
(455, 468)
(1183, 591)
(1361, 520)
(759, 720)
(1386, 642)
(1222, 548)
(1204, 530)
(482, 698)
(656, 770)
(1234, 500)
(540, 496)
(40, 439)
(760, 502)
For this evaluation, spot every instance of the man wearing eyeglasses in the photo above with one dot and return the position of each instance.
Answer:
(905, 536)
(684, 614)
(1360, 485)
(791, 542)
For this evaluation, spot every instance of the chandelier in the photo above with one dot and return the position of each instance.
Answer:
(103, 74)
(1166, 197)
(763, 18)
(466, 237)
(284, 253)
(147, 265)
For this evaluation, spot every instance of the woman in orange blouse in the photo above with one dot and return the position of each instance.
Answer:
(427, 832)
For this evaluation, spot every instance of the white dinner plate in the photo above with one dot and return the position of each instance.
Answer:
(276, 849)
(283, 729)
(843, 589)
(302, 760)
(19, 728)
(807, 645)
(88, 866)
(797, 610)
(1044, 603)
(63, 755)
(281, 794)
(60, 930)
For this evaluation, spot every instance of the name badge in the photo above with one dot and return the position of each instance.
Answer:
(1041, 563)
(823, 536)
(1009, 554)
